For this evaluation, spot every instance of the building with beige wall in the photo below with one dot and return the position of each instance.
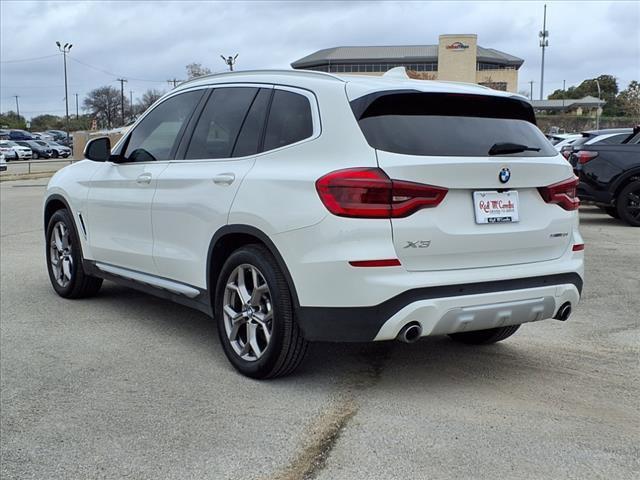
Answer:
(456, 58)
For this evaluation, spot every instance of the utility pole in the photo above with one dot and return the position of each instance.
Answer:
(598, 107)
(544, 43)
(65, 49)
(173, 81)
(122, 81)
(531, 93)
(17, 105)
(230, 61)
(77, 110)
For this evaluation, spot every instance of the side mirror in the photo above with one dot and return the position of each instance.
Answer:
(98, 149)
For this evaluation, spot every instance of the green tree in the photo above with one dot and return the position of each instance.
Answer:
(46, 122)
(589, 87)
(12, 120)
(629, 100)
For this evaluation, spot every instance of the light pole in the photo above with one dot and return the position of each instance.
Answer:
(65, 49)
(598, 107)
(77, 110)
(230, 61)
(544, 43)
(17, 105)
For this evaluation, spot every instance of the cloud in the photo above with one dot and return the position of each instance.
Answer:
(150, 42)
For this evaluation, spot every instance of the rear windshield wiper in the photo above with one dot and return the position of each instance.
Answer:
(504, 148)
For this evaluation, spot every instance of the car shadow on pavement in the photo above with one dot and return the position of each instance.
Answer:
(432, 360)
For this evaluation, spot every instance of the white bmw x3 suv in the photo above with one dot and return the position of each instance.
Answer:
(297, 206)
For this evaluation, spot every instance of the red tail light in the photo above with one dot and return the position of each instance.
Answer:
(370, 193)
(562, 193)
(390, 262)
(578, 247)
(585, 156)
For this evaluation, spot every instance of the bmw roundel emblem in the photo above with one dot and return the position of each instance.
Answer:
(504, 175)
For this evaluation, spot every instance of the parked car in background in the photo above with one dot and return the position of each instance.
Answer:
(389, 238)
(610, 177)
(42, 136)
(555, 139)
(58, 149)
(4, 134)
(19, 135)
(3, 163)
(61, 137)
(569, 140)
(39, 151)
(14, 151)
(610, 136)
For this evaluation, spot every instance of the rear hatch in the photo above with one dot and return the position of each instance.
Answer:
(494, 212)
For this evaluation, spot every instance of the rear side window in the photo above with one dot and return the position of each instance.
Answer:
(248, 142)
(289, 120)
(613, 139)
(220, 122)
(437, 124)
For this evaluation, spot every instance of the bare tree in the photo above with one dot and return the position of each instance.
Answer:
(148, 98)
(104, 103)
(196, 70)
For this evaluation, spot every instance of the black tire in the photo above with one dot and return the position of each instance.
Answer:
(34, 156)
(80, 284)
(485, 337)
(54, 154)
(628, 204)
(287, 346)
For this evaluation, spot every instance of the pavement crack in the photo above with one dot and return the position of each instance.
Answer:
(325, 431)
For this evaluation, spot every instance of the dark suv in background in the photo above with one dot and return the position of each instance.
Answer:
(39, 151)
(610, 176)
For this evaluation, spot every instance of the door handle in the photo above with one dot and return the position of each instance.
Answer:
(144, 179)
(224, 179)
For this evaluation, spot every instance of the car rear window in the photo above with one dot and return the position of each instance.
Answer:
(444, 124)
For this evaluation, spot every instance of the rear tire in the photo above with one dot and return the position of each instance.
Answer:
(484, 337)
(628, 204)
(64, 259)
(255, 317)
(34, 156)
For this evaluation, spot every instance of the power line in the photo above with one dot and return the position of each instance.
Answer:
(106, 72)
(34, 59)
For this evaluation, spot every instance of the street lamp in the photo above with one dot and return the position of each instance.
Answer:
(598, 107)
(65, 49)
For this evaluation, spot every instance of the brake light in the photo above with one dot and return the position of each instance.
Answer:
(562, 193)
(578, 247)
(370, 193)
(585, 156)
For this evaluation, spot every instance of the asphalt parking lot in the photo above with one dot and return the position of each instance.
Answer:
(125, 385)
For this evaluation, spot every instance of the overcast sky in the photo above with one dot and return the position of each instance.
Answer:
(150, 42)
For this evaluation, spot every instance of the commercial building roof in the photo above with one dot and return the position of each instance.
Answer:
(396, 53)
(561, 104)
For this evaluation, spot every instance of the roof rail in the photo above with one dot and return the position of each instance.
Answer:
(263, 72)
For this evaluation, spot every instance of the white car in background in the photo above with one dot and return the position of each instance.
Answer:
(569, 140)
(297, 206)
(3, 163)
(14, 151)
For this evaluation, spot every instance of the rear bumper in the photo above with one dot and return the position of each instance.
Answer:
(445, 309)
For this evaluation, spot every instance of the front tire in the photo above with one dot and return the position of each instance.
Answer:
(485, 337)
(628, 204)
(64, 259)
(34, 156)
(255, 317)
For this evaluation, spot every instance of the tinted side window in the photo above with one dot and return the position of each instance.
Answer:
(289, 120)
(248, 142)
(217, 129)
(156, 135)
(614, 139)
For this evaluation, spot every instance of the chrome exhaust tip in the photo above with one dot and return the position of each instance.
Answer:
(563, 312)
(410, 333)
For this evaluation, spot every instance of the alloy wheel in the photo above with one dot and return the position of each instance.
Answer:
(60, 254)
(248, 312)
(632, 204)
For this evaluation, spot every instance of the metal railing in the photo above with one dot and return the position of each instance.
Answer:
(13, 164)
